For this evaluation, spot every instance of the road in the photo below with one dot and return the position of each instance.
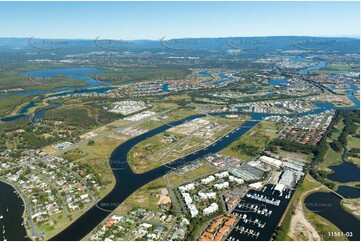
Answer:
(63, 203)
(172, 196)
(107, 133)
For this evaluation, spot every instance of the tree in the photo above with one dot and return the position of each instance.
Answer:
(336, 146)
(91, 142)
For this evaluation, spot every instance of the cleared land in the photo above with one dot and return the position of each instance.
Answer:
(255, 140)
(145, 197)
(179, 141)
(177, 179)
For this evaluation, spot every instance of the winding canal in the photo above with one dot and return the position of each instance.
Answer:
(127, 182)
(344, 172)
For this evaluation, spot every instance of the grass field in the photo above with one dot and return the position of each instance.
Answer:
(161, 106)
(10, 104)
(340, 125)
(177, 179)
(75, 154)
(145, 197)
(58, 223)
(98, 160)
(336, 69)
(258, 137)
(353, 142)
(331, 158)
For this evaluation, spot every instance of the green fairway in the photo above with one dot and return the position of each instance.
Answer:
(337, 69)
(353, 142)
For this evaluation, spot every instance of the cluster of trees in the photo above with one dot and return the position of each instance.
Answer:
(354, 153)
(249, 150)
(318, 151)
(336, 145)
(292, 146)
(350, 120)
(321, 176)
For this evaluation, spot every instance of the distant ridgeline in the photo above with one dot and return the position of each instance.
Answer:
(254, 44)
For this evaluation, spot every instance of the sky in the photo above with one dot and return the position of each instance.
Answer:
(154, 20)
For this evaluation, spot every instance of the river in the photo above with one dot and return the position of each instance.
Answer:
(128, 182)
(73, 73)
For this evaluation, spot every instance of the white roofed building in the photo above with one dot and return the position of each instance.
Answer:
(287, 178)
(208, 195)
(188, 187)
(222, 174)
(271, 161)
(208, 179)
(211, 209)
(236, 180)
(221, 185)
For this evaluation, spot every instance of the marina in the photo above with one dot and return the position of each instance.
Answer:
(259, 212)
(11, 211)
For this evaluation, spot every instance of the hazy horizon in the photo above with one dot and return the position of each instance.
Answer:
(220, 37)
(153, 20)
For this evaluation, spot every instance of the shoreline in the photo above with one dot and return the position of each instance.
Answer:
(24, 215)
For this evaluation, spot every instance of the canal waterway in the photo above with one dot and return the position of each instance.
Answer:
(127, 182)
(328, 205)
(11, 211)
